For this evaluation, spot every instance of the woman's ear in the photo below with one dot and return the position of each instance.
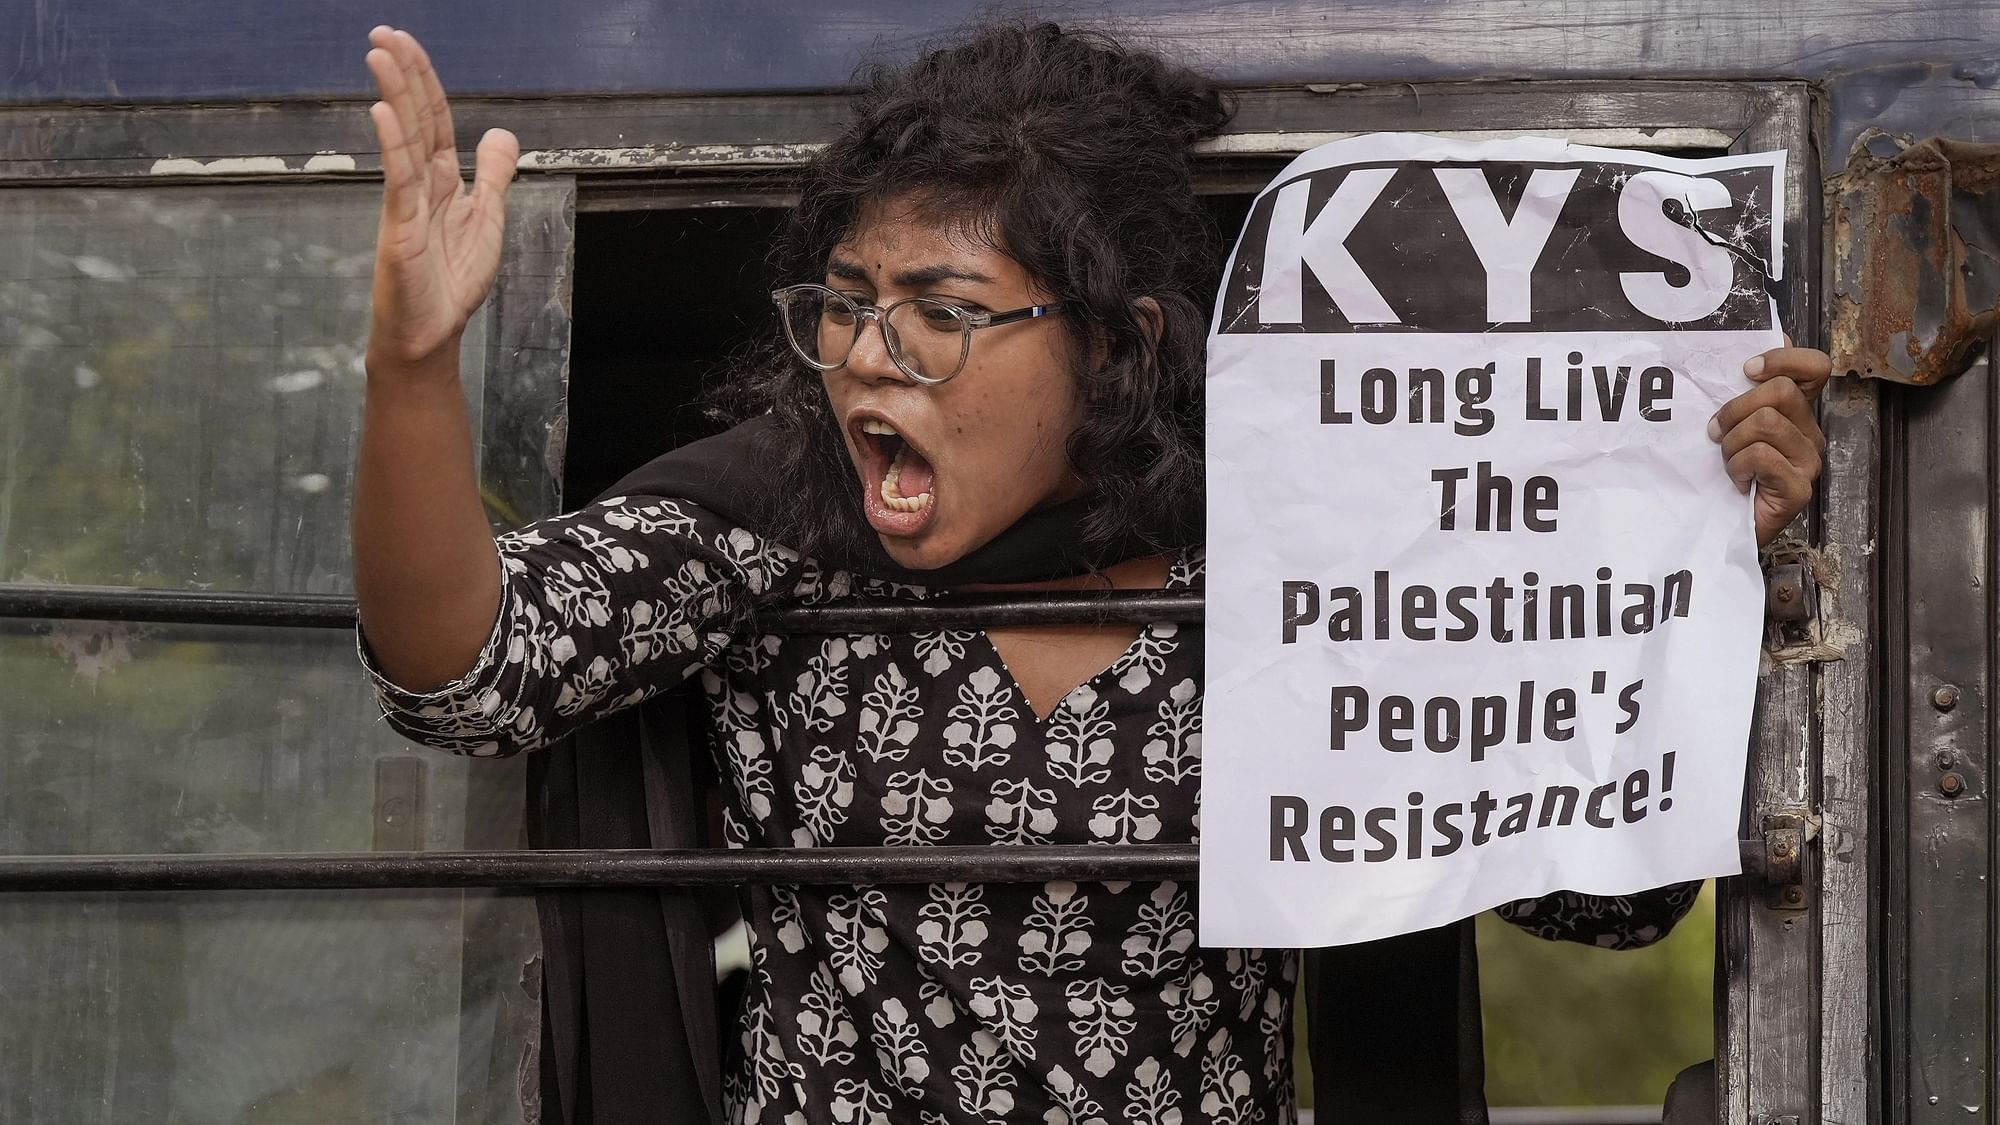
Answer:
(1150, 318)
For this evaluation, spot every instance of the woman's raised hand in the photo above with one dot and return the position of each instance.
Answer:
(438, 246)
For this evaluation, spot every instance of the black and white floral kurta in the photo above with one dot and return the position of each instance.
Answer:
(1053, 1003)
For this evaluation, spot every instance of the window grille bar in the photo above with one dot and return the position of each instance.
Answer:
(599, 869)
(326, 611)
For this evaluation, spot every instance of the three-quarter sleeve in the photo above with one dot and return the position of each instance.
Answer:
(599, 609)
(1605, 921)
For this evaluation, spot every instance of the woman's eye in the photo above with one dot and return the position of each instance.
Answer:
(941, 318)
(836, 313)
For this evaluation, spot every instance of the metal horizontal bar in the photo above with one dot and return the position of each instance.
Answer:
(583, 868)
(200, 607)
(185, 607)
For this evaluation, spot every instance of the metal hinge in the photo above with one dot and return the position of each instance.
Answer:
(1786, 835)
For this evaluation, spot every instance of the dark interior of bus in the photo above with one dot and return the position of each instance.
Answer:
(662, 300)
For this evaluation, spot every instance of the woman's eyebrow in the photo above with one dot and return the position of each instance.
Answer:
(931, 275)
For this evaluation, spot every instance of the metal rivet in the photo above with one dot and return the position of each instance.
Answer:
(1945, 761)
(1951, 785)
(1784, 593)
(1781, 849)
(1945, 698)
(1795, 895)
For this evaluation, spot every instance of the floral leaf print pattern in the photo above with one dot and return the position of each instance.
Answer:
(1074, 1104)
(916, 808)
(856, 1101)
(980, 737)
(1226, 1085)
(939, 651)
(1150, 1098)
(760, 561)
(1246, 980)
(750, 762)
(1056, 932)
(985, 1077)
(1102, 1018)
(951, 930)
(656, 628)
(824, 790)
(1147, 657)
(1165, 930)
(822, 687)
(1079, 744)
(767, 1074)
(825, 1032)
(937, 1001)
(785, 918)
(889, 714)
(1125, 818)
(1191, 1006)
(1020, 812)
(664, 517)
(1174, 753)
(1272, 1023)
(854, 942)
(1009, 1011)
(899, 1048)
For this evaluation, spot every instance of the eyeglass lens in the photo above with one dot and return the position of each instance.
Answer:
(926, 338)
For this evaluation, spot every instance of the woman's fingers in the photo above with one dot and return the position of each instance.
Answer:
(492, 170)
(1808, 367)
(436, 111)
(1784, 487)
(1780, 393)
(402, 180)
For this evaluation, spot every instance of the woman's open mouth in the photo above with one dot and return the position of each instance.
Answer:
(898, 483)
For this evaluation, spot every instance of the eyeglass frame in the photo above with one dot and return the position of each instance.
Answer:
(971, 320)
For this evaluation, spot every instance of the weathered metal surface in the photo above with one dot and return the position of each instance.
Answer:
(710, 144)
(1938, 615)
(199, 607)
(1916, 257)
(1027, 863)
(248, 50)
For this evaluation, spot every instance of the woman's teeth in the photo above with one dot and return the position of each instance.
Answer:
(892, 494)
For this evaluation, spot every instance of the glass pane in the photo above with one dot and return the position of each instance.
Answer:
(240, 1006)
(180, 383)
(256, 1008)
(162, 738)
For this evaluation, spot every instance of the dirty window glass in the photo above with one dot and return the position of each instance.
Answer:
(181, 381)
(180, 394)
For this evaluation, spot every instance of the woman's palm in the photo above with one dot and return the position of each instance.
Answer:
(438, 246)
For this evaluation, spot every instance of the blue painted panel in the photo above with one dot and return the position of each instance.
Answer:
(236, 50)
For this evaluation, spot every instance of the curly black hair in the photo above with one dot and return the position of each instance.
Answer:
(1068, 152)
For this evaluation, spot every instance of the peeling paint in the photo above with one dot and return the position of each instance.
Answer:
(669, 155)
(221, 166)
(329, 162)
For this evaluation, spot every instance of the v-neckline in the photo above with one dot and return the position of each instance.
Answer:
(1177, 577)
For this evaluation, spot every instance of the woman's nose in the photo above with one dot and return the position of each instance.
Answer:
(870, 359)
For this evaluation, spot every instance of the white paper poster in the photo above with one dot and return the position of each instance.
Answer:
(1483, 605)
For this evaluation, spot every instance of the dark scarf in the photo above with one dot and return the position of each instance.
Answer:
(629, 1020)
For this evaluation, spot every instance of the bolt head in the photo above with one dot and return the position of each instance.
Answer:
(1951, 785)
(1945, 697)
(1795, 894)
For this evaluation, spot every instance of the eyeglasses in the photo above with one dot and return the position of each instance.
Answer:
(928, 339)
